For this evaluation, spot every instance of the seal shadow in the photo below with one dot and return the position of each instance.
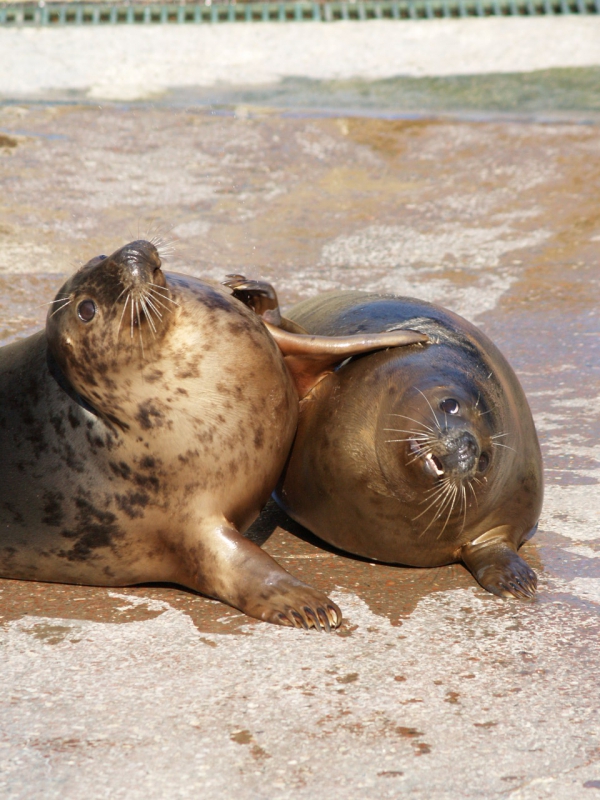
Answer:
(389, 590)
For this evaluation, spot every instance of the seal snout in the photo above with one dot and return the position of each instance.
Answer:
(139, 264)
(462, 452)
(454, 453)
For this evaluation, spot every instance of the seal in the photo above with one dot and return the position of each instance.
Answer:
(421, 455)
(142, 431)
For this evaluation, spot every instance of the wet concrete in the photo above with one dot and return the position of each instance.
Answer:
(432, 688)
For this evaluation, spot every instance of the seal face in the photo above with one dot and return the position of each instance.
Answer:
(420, 455)
(140, 433)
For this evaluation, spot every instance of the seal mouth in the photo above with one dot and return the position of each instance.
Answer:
(456, 454)
(433, 465)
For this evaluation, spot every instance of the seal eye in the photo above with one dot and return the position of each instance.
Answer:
(483, 463)
(86, 310)
(450, 406)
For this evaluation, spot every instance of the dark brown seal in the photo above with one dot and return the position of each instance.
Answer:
(143, 429)
(422, 455)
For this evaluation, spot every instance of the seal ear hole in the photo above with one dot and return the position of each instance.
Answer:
(483, 463)
(450, 406)
(86, 310)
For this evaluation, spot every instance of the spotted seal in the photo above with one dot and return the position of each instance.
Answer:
(142, 431)
(423, 455)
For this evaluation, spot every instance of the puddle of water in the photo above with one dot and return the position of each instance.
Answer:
(551, 94)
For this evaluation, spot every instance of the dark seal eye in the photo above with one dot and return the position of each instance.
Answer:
(86, 310)
(483, 463)
(450, 406)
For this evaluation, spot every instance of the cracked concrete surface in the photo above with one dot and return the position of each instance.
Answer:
(432, 688)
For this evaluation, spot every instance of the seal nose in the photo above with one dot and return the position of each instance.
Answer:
(462, 452)
(139, 260)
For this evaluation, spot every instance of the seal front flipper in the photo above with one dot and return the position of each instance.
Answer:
(221, 563)
(495, 564)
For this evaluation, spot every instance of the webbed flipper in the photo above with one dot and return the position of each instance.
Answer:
(221, 563)
(496, 565)
(310, 358)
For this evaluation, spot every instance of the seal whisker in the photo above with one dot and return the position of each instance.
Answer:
(414, 420)
(463, 505)
(499, 435)
(150, 310)
(119, 297)
(131, 328)
(498, 444)
(443, 503)
(122, 315)
(159, 297)
(423, 452)
(470, 485)
(432, 496)
(154, 308)
(435, 419)
(139, 326)
(443, 500)
(60, 308)
(148, 317)
(420, 434)
(163, 292)
(454, 495)
(439, 490)
(411, 439)
(155, 299)
(56, 300)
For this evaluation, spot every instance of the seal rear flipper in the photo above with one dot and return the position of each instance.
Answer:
(221, 563)
(261, 297)
(310, 358)
(495, 564)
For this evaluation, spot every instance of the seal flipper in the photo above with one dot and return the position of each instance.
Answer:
(261, 297)
(310, 358)
(221, 563)
(495, 564)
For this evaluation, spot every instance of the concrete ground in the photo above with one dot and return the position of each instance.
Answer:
(432, 688)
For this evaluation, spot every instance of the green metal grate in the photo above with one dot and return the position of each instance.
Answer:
(53, 14)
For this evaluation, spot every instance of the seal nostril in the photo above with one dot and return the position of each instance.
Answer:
(483, 463)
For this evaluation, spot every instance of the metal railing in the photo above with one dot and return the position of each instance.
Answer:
(54, 14)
